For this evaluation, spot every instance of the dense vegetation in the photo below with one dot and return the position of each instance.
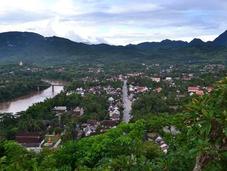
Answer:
(201, 143)
(16, 82)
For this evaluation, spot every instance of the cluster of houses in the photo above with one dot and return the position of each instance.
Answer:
(155, 79)
(212, 68)
(96, 90)
(170, 81)
(113, 110)
(95, 70)
(136, 74)
(81, 91)
(93, 127)
(112, 91)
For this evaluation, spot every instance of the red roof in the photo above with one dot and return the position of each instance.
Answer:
(193, 89)
(109, 123)
(29, 139)
(199, 93)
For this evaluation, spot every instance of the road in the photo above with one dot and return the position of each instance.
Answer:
(127, 104)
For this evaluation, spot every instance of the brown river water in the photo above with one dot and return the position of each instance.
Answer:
(23, 103)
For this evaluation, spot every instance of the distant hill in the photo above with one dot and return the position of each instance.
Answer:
(196, 42)
(34, 48)
(221, 40)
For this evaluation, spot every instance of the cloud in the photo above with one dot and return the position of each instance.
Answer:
(116, 21)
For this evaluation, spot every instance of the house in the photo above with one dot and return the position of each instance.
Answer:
(115, 111)
(141, 89)
(31, 141)
(80, 91)
(193, 89)
(131, 88)
(190, 75)
(199, 93)
(158, 90)
(158, 139)
(134, 74)
(107, 124)
(78, 111)
(93, 123)
(110, 99)
(156, 79)
(168, 79)
(60, 109)
(111, 108)
(115, 117)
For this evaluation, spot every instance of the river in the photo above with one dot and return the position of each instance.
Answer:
(127, 104)
(23, 103)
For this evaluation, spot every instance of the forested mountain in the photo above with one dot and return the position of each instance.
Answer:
(34, 48)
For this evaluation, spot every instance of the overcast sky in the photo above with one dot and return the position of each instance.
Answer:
(116, 21)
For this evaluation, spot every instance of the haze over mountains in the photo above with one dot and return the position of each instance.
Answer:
(34, 48)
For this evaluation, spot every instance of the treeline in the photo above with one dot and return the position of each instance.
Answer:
(20, 87)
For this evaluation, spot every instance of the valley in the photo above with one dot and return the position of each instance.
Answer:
(141, 104)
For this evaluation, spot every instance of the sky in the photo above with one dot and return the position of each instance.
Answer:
(117, 22)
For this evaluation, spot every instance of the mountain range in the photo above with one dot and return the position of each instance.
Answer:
(34, 48)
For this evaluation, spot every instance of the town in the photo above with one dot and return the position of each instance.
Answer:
(97, 101)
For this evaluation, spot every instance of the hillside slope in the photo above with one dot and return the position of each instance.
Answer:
(34, 48)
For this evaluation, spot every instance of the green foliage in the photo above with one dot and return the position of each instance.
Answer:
(147, 104)
(15, 157)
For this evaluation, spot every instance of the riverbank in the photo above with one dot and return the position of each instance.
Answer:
(13, 90)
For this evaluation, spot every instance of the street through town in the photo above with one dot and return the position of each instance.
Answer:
(127, 104)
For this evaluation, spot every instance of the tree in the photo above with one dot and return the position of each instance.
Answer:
(209, 122)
